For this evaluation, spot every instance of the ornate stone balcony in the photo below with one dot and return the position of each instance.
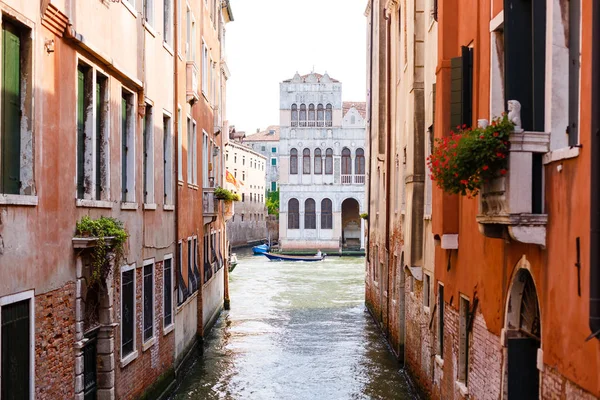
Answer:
(506, 203)
(210, 205)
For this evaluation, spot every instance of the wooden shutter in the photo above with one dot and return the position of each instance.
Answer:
(456, 92)
(127, 312)
(123, 149)
(168, 293)
(148, 301)
(98, 141)
(467, 85)
(15, 350)
(80, 132)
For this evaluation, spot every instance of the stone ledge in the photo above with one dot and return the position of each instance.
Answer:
(18, 200)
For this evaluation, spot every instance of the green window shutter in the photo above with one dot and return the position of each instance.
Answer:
(456, 87)
(80, 131)
(10, 167)
(98, 142)
(123, 149)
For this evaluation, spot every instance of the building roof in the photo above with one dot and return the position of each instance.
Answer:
(271, 134)
(313, 77)
(360, 106)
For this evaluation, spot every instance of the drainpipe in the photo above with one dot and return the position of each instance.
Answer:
(595, 198)
(369, 133)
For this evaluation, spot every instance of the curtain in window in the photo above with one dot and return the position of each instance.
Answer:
(310, 217)
(293, 214)
(326, 214)
(306, 162)
(293, 162)
(318, 162)
(328, 161)
(346, 162)
(359, 162)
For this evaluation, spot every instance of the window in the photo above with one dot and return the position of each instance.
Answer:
(346, 162)
(235, 173)
(127, 310)
(235, 158)
(168, 291)
(574, 67)
(205, 152)
(326, 214)
(243, 160)
(194, 154)
(359, 162)
(461, 95)
(17, 316)
(149, 11)
(302, 114)
(262, 148)
(192, 284)
(426, 286)
(179, 39)
(190, 151)
(463, 345)
(293, 162)
(320, 115)
(273, 149)
(310, 218)
(167, 161)
(148, 299)
(127, 146)
(148, 160)
(440, 332)
(318, 162)
(243, 197)
(204, 68)
(273, 186)
(243, 175)
(196, 271)
(168, 22)
(179, 146)
(188, 34)
(92, 133)
(294, 115)
(329, 161)
(293, 214)
(306, 162)
(353, 119)
(328, 115)
(182, 289)
(311, 112)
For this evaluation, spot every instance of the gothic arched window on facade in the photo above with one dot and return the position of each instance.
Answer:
(326, 214)
(293, 162)
(311, 115)
(328, 115)
(310, 216)
(320, 115)
(302, 114)
(346, 162)
(329, 162)
(294, 115)
(359, 162)
(293, 214)
(318, 162)
(306, 162)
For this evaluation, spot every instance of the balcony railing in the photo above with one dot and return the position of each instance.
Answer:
(310, 124)
(349, 179)
(359, 179)
(191, 89)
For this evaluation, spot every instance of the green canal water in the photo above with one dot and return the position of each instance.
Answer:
(295, 330)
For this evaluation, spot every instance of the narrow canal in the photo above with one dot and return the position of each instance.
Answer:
(295, 331)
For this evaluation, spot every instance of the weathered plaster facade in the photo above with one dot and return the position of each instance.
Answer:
(267, 143)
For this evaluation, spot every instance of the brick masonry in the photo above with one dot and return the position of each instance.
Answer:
(55, 343)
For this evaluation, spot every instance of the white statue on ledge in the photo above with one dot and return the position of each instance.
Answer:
(514, 114)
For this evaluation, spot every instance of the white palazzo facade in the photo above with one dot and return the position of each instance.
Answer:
(321, 166)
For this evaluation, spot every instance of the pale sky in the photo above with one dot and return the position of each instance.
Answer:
(269, 40)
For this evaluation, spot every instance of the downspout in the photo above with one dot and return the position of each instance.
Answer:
(595, 174)
(175, 146)
(388, 157)
(370, 134)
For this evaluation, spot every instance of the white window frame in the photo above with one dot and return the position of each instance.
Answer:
(179, 145)
(205, 155)
(151, 340)
(204, 69)
(14, 298)
(168, 23)
(168, 154)
(149, 173)
(148, 10)
(195, 152)
(131, 141)
(133, 355)
(171, 326)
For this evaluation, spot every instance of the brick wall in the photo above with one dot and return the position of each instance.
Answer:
(55, 343)
(557, 387)
(132, 380)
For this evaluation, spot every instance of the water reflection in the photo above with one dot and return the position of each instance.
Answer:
(295, 331)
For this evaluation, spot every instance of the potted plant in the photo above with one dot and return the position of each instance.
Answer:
(464, 161)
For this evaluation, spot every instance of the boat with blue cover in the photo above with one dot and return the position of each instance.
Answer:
(260, 249)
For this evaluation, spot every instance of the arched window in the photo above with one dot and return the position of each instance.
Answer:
(320, 115)
(328, 161)
(318, 162)
(359, 162)
(326, 214)
(302, 114)
(293, 162)
(294, 115)
(293, 214)
(306, 162)
(328, 115)
(346, 162)
(310, 217)
(311, 112)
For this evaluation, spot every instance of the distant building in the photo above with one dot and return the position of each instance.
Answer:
(267, 144)
(321, 165)
(248, 167)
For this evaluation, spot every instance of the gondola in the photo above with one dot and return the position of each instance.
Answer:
(260, 249)
(282, 257)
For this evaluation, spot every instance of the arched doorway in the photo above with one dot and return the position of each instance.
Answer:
(523, 338)
(351, 225)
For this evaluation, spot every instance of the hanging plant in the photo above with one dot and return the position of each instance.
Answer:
(462, 162)
(364, 216)
(108, 250)
(225, 194)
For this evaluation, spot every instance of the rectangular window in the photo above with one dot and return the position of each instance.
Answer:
(127, 146)
(243, 198)
(148, 306)
(574, 67)
(440, 326)
(148, 160)
(149, 12)
(195, 154)
(182, 289)
(205, 146)
(168, 292)
(188, 33)
(204, 68)
(273, 149)
(461, 94)
(273, 186)
(167, 161)
(17, 335)
(190, 152)
(127, 310)
(463, 345)
(426, 285)
(168, 22)
(179, 146)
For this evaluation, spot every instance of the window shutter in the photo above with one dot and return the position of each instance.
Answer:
(124, 149)
(98, 142)
(574, 15)
(467, 85)
(456, 92)
(127, 312)
(80, 131)
(15, 350)
(148, 301)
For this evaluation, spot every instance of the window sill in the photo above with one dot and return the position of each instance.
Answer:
(168, 48)
(93, 203)
(186, 302)
(149, 29)
(149, 343)
(18, 200)
(439, 361)
(168, 329)
(169, 207)
(192, 186)
(462, 389)
(127, 360)
(149, 206)
(427, 217)
(129, 206)
(130, 8)
(560, 154)
(180, 182)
